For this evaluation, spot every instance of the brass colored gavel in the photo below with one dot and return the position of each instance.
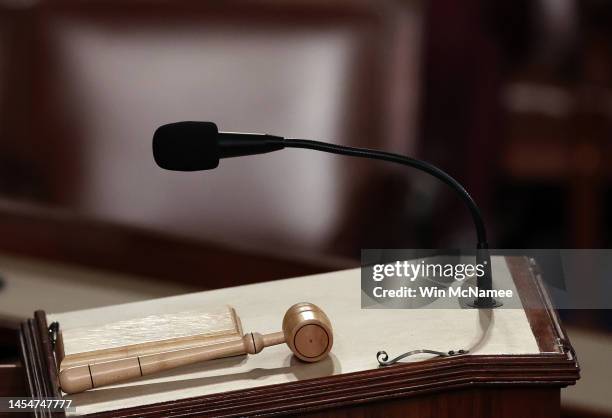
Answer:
(306, 330)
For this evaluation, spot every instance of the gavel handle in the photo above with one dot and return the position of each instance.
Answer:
(80, 378)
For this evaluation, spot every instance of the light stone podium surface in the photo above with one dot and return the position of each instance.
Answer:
(358, 335)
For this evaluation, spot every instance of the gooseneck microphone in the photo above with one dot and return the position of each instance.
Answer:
(193, 146)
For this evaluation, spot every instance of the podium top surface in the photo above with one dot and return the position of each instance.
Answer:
(502, 335)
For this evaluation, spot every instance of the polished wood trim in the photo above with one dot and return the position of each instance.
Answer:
(543, 318)
(48, 359)
(39, 362)
(401, 381)
(533, 302)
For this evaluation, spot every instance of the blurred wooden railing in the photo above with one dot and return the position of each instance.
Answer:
(62, 236)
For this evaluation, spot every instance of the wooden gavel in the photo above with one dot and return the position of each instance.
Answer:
(306, 330)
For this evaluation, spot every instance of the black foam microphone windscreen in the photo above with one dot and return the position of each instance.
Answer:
(186, 146)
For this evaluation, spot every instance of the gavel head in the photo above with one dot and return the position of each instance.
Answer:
(308, 331)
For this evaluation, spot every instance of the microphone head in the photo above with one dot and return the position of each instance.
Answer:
(186, 146)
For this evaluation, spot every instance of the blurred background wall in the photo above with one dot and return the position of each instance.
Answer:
(512, 97)
(88, 85)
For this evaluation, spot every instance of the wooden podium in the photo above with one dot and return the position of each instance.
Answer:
(519, 358)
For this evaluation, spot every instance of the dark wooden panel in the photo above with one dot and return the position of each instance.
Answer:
(9, 337)
(12, 380)
(483, 402)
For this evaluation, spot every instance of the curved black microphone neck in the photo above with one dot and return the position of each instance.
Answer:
(401, 159)
(190, 146)
(234, 144)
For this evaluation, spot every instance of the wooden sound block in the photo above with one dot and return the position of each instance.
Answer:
(149, 334)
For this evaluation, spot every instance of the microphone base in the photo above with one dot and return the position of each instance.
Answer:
(484, 303)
